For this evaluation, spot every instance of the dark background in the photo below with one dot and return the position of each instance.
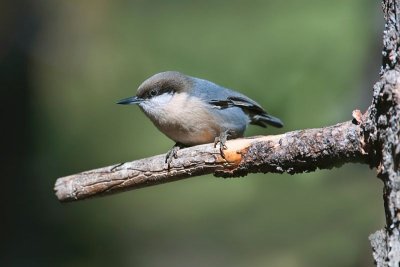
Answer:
(65, 63)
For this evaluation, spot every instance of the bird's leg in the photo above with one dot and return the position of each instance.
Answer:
(172, 153)
(221, 139)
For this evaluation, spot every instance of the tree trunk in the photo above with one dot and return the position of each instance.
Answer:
(381, 131)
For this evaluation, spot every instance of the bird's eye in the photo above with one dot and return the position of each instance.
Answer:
(153, 92)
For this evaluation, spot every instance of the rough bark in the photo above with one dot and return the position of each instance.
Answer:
(382, 134)
(293, 152)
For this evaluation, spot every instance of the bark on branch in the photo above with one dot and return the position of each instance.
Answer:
(293, 152)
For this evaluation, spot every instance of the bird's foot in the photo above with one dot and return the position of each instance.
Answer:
(173, 153)
(221, 139)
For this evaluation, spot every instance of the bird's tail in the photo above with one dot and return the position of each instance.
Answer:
(268, 119)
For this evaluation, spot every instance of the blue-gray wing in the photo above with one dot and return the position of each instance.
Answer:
(256, 113)
(224, 98)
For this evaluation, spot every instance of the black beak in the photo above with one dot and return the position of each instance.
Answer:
(130, 100)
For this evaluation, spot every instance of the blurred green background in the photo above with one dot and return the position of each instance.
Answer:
(64, 64)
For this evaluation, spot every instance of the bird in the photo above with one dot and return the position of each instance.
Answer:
(193, 111)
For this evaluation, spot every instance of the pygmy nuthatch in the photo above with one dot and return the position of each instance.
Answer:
(193, 111)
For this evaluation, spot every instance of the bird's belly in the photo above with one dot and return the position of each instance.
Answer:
(194, 134)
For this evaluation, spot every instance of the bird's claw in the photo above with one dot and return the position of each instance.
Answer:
(221, 139)
(172, 153)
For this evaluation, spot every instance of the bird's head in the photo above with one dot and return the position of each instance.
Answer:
(158, 90)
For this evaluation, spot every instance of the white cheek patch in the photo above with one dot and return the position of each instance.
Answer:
(156, 105)
(161, 100)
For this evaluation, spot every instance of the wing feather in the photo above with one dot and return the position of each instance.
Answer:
(257, 114)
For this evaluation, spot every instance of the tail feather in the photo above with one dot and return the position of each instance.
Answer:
(268, 119)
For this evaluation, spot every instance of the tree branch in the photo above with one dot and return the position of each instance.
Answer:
(293, 152)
